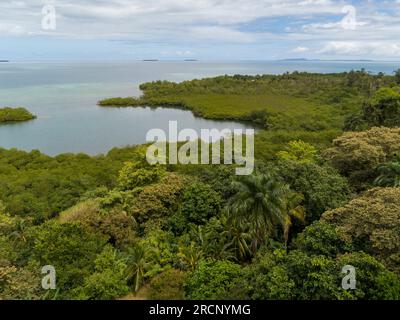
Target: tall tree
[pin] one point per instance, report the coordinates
(138, 264)
(265, 203)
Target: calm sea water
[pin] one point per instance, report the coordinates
(64, 97)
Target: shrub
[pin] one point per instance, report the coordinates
(168, 286)
(300, 152)
(109, 281)
(211, 280)
(157, 201)
(134, 175)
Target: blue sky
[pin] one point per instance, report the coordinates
(201, 29)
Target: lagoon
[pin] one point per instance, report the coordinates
(64, 96)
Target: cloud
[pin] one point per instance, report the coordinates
(174, 25)
(221, 34)
(301, 49)
(381, 49)
(121, 17)
(315, 2)
(12, 29)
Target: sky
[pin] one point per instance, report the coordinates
(199, 29)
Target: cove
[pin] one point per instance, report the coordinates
(98, 131)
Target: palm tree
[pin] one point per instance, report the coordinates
(294, 211)
(389, 174)
(263, 202)
(190, 256)
(20, 229)
(138, 263)
(240, 238)
(213, 243)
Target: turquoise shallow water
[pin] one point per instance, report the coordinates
(64, 95)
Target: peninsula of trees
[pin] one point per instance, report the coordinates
(8, 114)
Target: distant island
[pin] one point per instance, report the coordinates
(8, 114)
(329, 60)
(4, 61)
(150, 60)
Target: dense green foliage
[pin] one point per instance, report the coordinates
(211, 280)
(322, 187)
(301, 276)
(108, 281)
(357, 155)
(389, 174)
(293, 106)
(383, 109)
(168, 286)
(113, 226)
(371, 223)
(264, 203)
(200, 203)
(15, 115)
(35, 185)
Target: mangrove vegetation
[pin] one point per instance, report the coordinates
(8, 114)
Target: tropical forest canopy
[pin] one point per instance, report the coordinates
(325, 194)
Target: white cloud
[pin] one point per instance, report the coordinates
(301, 49)
(315, 2)
(376, 49)
(221, 34)
(12, 29)
(101, 17)
(179, 24)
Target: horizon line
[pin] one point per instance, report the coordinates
(149, 60)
